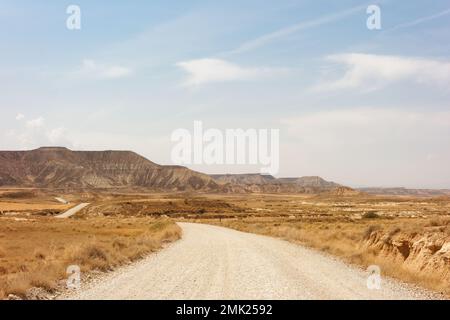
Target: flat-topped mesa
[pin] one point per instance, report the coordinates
(244, 179)
(255, 182)
(310, 181)
(53, 149)
(59, 167)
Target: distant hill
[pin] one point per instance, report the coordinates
(52, 167)
(407, 192)
(56, 167)
(268, 183)
(316, 182)
(243, 179)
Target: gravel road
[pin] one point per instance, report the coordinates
(211, 262)
(72, 211)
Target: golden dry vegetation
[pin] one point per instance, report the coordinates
(29, 201)
(408, 250)
(408, 237)
(35, 251)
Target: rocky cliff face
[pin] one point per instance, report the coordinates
(269, 184)
(243, 179)
(63, 168)
(310, 182)
(53, 167)
(417, 252)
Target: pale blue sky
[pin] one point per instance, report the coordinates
(361, 107)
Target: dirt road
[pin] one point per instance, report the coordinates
(72, 211)
(217, 263)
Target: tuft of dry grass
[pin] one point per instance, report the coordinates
(37, 252)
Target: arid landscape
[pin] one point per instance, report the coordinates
(36, 248)
(408, 237)
(105, 210)
(225, 157)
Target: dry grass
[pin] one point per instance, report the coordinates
(6, 206)
(157, 206)
(119, 227)
(334, 224)
(342, 226)
(37, 252)
(348, 240)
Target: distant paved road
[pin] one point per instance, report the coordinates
(211, 262)
(72, 211)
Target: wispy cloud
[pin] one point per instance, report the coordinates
(58, 136)
(208, 70)
(36, 133)
(398, 140)
(376, 71)
(364, 125)
(421, 20)
(35, 123)
(19, 116)
(267, 38)
(92, 69)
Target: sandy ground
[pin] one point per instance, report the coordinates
(216, 263)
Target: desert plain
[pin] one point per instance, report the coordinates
(408, 237)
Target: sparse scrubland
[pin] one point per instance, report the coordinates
(414, 251)
(36, 251)
(408, 237)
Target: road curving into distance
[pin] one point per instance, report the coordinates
(211, 262)
(69, 213)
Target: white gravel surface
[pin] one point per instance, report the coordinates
(72, 211)
(211, 262)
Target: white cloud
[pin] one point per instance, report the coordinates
(208, 70)
(56, 135)
(35, 133)
(91, 69)
(35, 123)
(375, 71)
(19, 116)
(371, 146)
